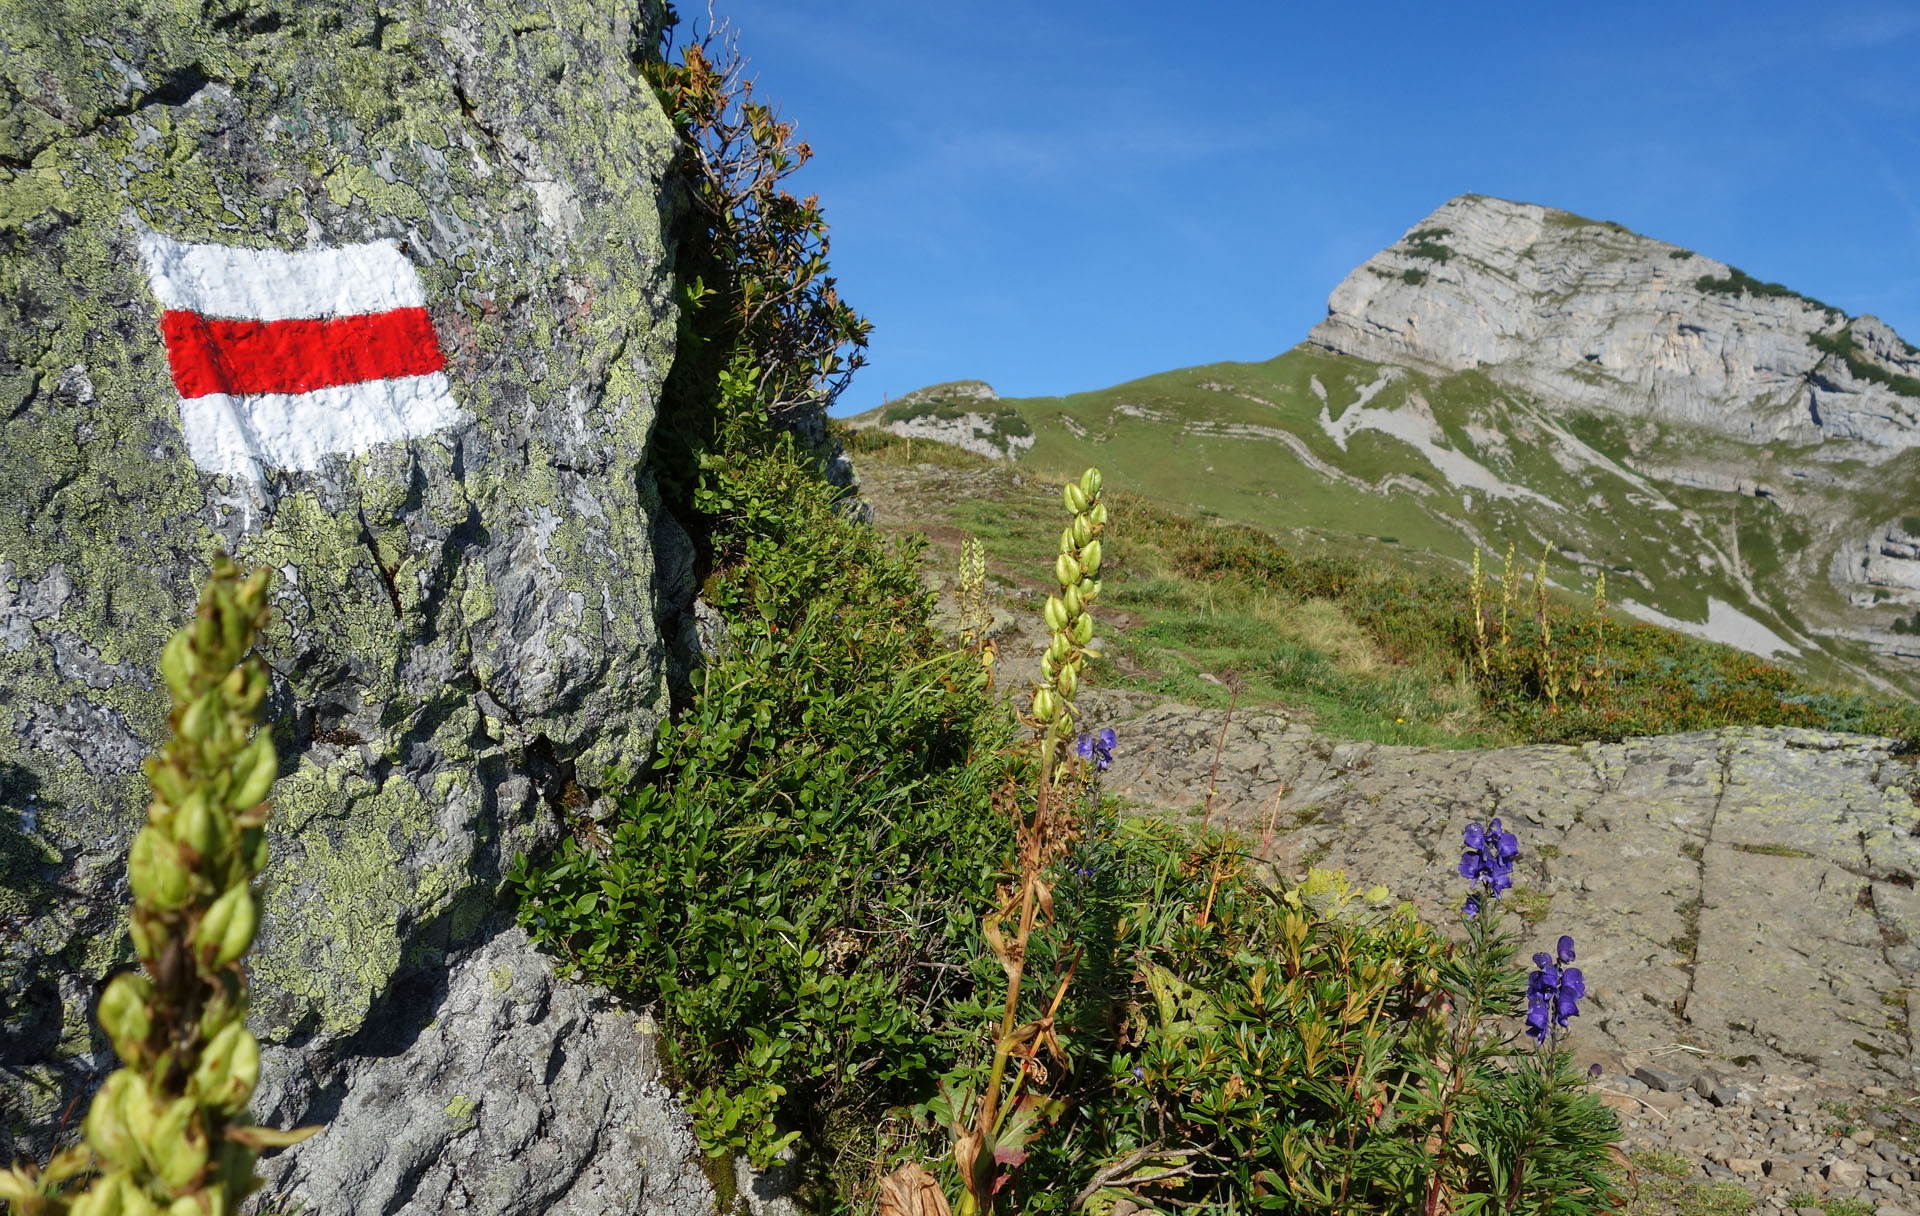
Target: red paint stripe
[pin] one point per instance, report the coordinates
(212, 355)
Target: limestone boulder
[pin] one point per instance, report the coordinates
(476, 589)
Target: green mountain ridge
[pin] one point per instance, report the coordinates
(1743, 523)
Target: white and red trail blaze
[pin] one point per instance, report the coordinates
(283, 359)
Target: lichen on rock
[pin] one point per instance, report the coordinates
(466, 622)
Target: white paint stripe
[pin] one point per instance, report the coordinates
(268, 285)
(242, 435)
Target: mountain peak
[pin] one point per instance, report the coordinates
(1589, 314)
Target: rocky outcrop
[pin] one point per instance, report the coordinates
(1882, 566)
(951, 390)
(1746, 892)
(469, 613)
(1589, 315)
(953, 413)
(506, 1090)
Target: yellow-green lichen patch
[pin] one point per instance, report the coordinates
(460, 1112)
(342, 888)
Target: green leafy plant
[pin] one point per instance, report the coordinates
(1739, 282)
(1841, 345)
(1314, 1050)
(792, 876)
(169, 1130)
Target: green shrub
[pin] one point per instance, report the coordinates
(913, 411)
(1739, 282)
(793, 875)
(1413, 277)
(1639, 679)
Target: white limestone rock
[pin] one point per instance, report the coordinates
(1584, 314)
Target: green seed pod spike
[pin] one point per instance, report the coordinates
(1082, 629)
(1070, 599)
(194, 917)
(1056, 613)
(1066, 570)
(1082, 529)
(126, 1014)
(1045, 704)
(1090, 483)
(1090, 558)
(1075, 497)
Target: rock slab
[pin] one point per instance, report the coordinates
(1744, 893)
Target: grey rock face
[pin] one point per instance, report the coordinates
(469, 623)
(1748, 892)
(514, 1093)
(949, 413)
(1590, 315)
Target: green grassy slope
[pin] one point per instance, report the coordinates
(1417, 470)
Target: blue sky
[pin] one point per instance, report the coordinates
(1056, 197)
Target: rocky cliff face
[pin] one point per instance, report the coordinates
(476, 586)
(1590, 315)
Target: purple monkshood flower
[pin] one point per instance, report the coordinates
(1553, 991)
(1097, 748)
(1488, 862)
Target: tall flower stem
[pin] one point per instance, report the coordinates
(999, 1127)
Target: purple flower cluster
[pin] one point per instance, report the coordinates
(1097, 748)
(1488, 862)
(1553, 991)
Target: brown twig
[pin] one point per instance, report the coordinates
(1108, 1176)
(1059, 994)
(1273, 812)
(1233, 696)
